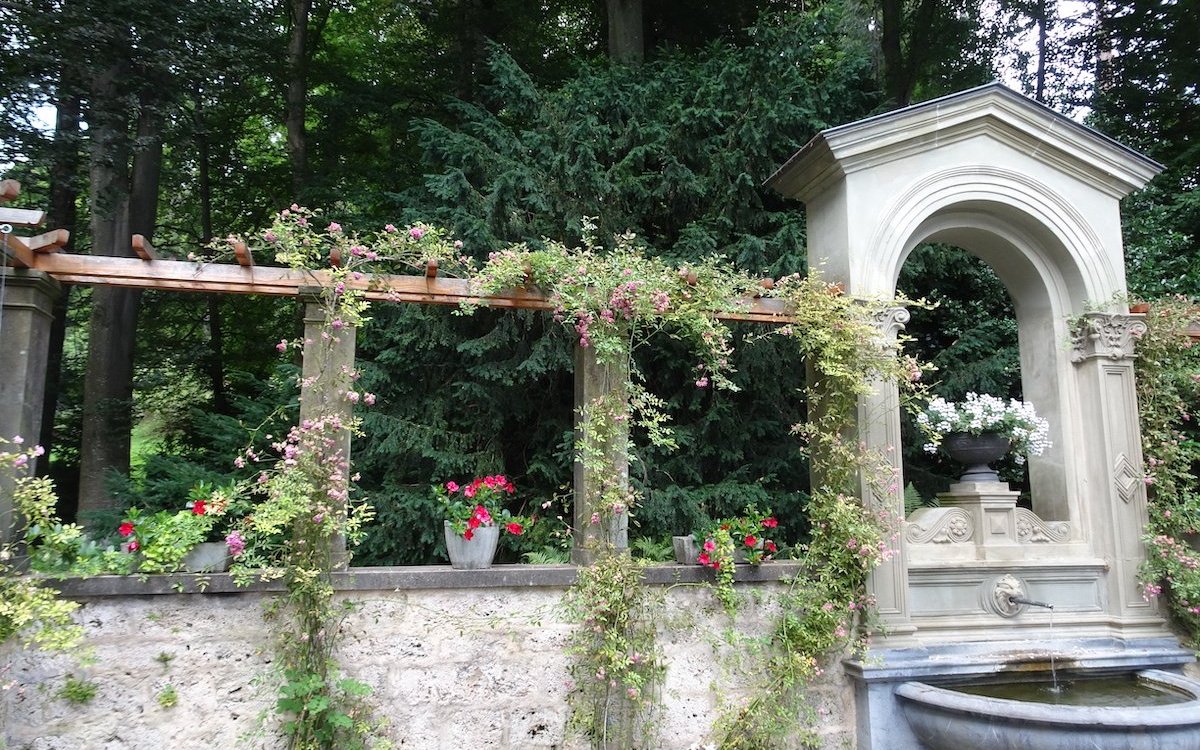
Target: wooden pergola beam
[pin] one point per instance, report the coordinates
(9, 189)
(186, 276)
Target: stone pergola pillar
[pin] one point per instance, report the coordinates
(28, 312)
(596, 380)
(325, 377)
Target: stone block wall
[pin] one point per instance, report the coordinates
(476, 667)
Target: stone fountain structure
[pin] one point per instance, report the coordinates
(1037, 197)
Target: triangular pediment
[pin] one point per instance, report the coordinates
(992, 110)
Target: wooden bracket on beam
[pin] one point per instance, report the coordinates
(9, 189)
(48, 242)
(22, 217)
(244, 258)
(431, 268)
(143, 249)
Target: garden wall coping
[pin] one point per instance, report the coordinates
(403, 578)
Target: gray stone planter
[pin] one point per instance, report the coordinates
(207, 557)
(686, 550)
(475, 553)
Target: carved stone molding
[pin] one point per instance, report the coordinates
(940, 526)
(891, 321)
(1127, 478)
(1033, 530)
(1105, 335)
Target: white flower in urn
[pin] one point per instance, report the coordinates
(1029, 434)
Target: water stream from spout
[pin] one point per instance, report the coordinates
(1054, 688)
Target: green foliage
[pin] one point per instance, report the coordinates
(327, 713)
(618, 665)
(31, 612)
(1168, 383)
(674, 150)
(78, 691)
(168, 697)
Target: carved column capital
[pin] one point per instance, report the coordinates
(1105, 335)
(890, 321)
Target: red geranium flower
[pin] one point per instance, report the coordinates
(472, 523)
(199, 507)
(469, 533)
(133, 546)
(751, 540)
(125, 529)
(771, 546)
(703, 559)
(770, 523)
(515, 529)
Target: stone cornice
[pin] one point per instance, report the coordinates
(994, 110)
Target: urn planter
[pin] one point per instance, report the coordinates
(977, 452)
(475, 553)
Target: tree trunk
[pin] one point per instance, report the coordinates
(296, 97)
(626, 43)
(216, 360)
(108, 388)
(1039, 92)
(63, 172)
(893, 54)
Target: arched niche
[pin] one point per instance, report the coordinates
(1035, 196)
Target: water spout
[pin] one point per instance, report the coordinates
(1012, 599)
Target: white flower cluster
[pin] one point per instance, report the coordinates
(1017, 420)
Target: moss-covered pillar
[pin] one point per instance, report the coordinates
(326, 380)
(601, 475)
(28, 312)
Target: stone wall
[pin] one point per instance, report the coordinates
(478, 663)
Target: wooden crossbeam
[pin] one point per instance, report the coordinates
(230, 279)
(9, 189)
(16, 252)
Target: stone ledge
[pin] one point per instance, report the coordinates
(404, 578)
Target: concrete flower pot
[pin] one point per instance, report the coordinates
(475, 553)
(686, 550)
(207, 557)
